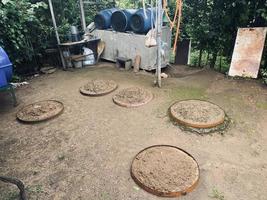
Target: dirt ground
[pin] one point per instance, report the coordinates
(86, 152)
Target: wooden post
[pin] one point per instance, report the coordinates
(159, 41)
(56, 32)
(82, 16)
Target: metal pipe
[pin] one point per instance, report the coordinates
(159, 41)
(82, 16)
(54, 20)
(56, 32)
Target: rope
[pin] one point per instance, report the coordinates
(144, 8)
(178, 27)
(172, 22)
(178, 12)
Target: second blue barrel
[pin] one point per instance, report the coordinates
(120, 20)
(143, 20)
(103, 18)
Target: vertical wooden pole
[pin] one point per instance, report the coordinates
(56, 32)
(82, 16)
(159, 41)
(54, 20)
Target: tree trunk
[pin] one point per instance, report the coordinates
(213, 60)
(200, 57)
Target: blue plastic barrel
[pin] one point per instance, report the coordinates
(103, 18)
(5, 68)
(120, 20)
(142, 21)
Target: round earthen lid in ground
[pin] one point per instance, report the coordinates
(165, 171)
(40, 111)
(133, 97)
(99, 87)
(197, 114)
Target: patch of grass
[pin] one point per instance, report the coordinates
(11, 195)
(36, 189)
(105, 196)
(61, 157)
(262, 105)
(194, 58)
(31, 192)
(215, 194)
(187, 93)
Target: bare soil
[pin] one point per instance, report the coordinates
(99, 87)
(165, 171)
(133, 97)
(197, 113)
(40, 111)
(86, 152)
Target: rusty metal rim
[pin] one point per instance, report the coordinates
(169, 194)
(42, 120)
(181, 122)
(127, 105)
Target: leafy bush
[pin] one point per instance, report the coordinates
(264, 75)
(21, 30)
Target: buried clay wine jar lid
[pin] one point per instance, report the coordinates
(165, 171)
(197, 114)
(132, 97)
(99, 87)
(40, 111)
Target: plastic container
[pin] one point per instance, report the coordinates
(142, 21)
(103, 18)
(5, 68)
(120, 20)
(78, 64)
(90, 58)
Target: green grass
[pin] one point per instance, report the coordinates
(61, 157)
(187, 93)
(195, 56)
(262, 105)
(215, 194)
(31, 192)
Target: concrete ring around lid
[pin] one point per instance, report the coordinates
(197, 114)
(165, 171)
(132, 97)
(98, 87)
(40, 111)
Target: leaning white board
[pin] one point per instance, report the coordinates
(248, 51)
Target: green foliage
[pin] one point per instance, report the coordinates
(264, 75)
(216, 194)
(26, 26)
(212, 24)
(21, 32)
